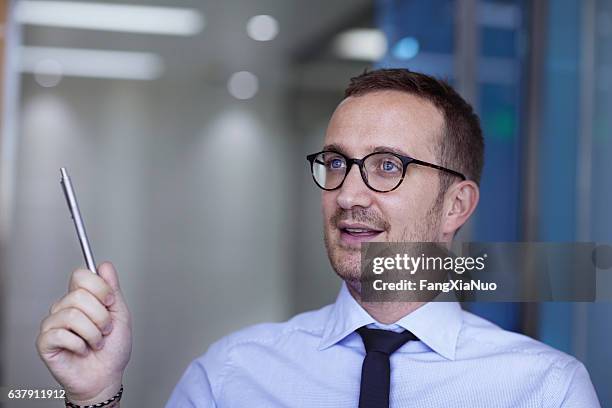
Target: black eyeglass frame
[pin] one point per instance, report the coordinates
(406, 160)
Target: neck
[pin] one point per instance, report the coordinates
(384, 312)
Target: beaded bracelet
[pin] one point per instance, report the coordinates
(115, 398)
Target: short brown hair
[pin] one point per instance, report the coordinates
(462, 145)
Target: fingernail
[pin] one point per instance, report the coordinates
(100, 344)
(109, 300)
(107, 329)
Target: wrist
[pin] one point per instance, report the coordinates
(105, 394)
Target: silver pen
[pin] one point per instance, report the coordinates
(73, 206)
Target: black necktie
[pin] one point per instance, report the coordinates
(376, 370)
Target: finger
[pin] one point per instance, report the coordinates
(83, 278)
(75, 320)
(108, 272)
(55, 340)
(87, 303)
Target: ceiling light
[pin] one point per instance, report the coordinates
(48, 73)
(243, 85)
(111, 17)
(262, 28)
(406, 48)
(367, 44)
(91, 63)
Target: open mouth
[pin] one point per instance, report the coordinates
(355, 233)
(360, 232)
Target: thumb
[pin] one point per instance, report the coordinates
(107, 271)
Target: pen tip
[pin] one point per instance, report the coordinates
(63, 172)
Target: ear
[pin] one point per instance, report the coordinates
(460, 202)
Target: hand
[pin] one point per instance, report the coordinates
(86, 340)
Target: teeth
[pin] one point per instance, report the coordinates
(357, 230)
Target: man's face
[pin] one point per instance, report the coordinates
(352, 214)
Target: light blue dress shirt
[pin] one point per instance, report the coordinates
(315, 358)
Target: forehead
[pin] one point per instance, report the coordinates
(393, 119)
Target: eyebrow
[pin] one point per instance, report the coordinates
(391, 149)
(333, 147)
(378, 149)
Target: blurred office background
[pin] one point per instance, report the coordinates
(185, 131)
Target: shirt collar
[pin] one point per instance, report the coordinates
(437, 324)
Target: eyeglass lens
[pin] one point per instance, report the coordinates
(381, 171)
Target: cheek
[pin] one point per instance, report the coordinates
(415, 196)
(328, 204)
(403, 211)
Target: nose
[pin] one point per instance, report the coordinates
(354, 191)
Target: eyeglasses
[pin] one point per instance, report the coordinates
(380, 171)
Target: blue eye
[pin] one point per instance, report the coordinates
(336, 164)
(389, 166)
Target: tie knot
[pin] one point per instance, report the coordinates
(384, 341)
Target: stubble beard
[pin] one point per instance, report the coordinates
(346, 262)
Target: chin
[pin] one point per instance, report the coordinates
(345, 262)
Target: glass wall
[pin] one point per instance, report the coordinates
(538, 74)
(479, 47)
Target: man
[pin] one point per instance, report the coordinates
(401, 162)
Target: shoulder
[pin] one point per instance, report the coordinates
(261, 340)
(250, 348)
(560, 376)
(520, 355)
(307, 323)
(488, 338)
